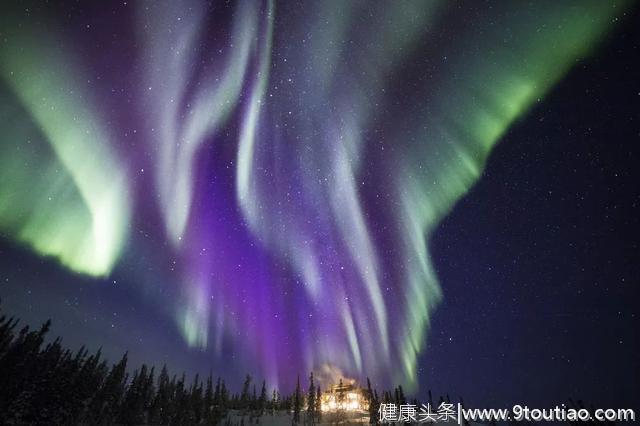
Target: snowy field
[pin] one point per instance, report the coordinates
(237, 418)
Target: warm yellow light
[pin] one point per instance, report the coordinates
(347, 400)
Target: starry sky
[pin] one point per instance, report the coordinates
(442, 195)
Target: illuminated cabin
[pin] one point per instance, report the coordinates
(347, 397)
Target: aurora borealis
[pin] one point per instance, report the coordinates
(266, 176)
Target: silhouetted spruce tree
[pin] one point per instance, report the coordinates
(7, 325)
(207, 403)
(224, 394)
(297, 403)
(159, 409)
(106, 404)
(35, 402)
(311, 400)
(216, 393)
(374, 404)
(400, 398)
(180, 402)
(196, 400)
(318, 404)
(254, 398)
(262, 401)
(245, 396)
(134, 403)
(219, 398)
(56, 396)
(86, 384)
(18, 368)
(148, 393)
(171, 407)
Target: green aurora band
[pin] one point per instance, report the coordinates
(495, 88)
(63, 190)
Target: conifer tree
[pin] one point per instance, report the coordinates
(254, 398)
(244, 396)
(297, 403)
(208, 400)
(318, 404)
(179, 402)
(311, 400)
(373, 403)
(106, 404)
(195, 400)
(262, 402)
(224, 395)
(160, 407)
(401, 398)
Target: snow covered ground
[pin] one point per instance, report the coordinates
(278, 418)
(238, 418)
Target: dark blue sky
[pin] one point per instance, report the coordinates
(540, 262)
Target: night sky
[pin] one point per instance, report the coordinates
(434, 194)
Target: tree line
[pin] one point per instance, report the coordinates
(49, 384)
